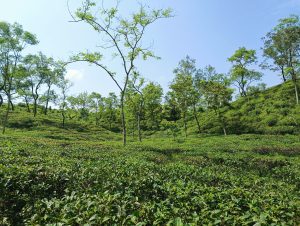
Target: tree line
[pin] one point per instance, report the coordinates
(141, 105)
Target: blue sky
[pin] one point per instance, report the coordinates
(207, 30)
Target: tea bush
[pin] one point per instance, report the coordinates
(234, 180)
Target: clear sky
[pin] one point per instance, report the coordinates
(207, 30)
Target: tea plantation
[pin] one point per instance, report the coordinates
(89, 180)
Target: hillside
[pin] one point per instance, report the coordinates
(272, 111)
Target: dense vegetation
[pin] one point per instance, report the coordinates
(146, 157)
(76, 178)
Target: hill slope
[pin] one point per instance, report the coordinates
(273, 111)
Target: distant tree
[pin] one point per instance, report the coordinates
(55, 74)
(152, 94)
(170, 111)
(171, 127)
(122, 35)
(111, 105)
(13, 40)
(282, 46)
(240, 74)
(80, 104)
(64, 85)
(257, 88)
(183, 90)
(217, 95)
(96, 105)
(1, 88)
(135, 100)
(38, 70)
(23, 87)
(187, 67)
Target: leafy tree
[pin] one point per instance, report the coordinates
(124, 36)
(1, 87)
(23, 90)
(80, 103)
(282, 47)
(171, 127)
(96, 105)
(257, 89)
(37, 71)
(186, 88)
(241, 75)
(13, 40)
(152, 94)
(217, 95)
(170, 111)
(183, 90)
(64, 85)
(135, 101)
(111, 105)
(55, 74)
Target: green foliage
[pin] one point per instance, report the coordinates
(281, 46)
(153, 94)
(234, 180)
(240, 74)
(123, 35)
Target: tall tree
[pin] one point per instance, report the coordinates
(96, 105)
(55, 74)
(135, 99)
(188, 73)
(282, 47)
(241, 75)
(1, 87)
(80, 103)
(183, 90)
(38, 70)
(13, 40)
(123, 36)
(111, 108)
(217, 95)
(152, 96)
(23, 87)
(64, 85)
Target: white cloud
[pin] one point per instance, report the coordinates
(74, 75)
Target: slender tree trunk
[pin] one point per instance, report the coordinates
(47, 101)
(6, 113)
(63, 119)
(139, 126)
(283, 74)
(27, 104)
(12, 105)
(1, 100)
(123, 118)
(244, 94)
(35, 107)
(133, 125)
(196, 118)
(221, 120)
(185, 125)
(97, 118)
(296, 92)
(224, 130)
(294, 77)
